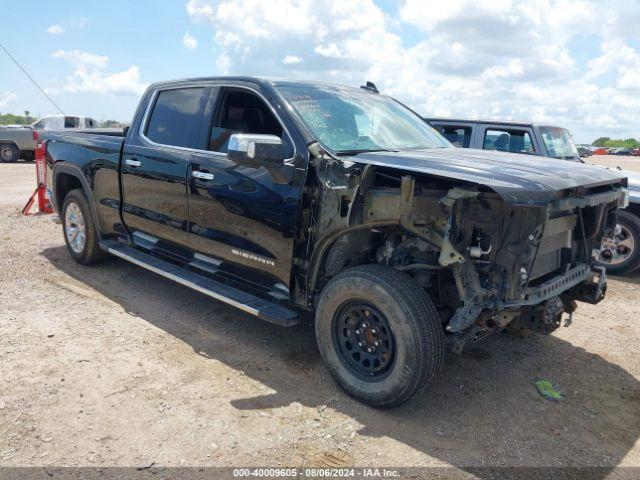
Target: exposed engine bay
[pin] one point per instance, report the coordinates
(487, 264)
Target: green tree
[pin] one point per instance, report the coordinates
(628, 143)
(600, 142)
(11, 119)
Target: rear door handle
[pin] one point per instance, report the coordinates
(133, 163)
(202, 175)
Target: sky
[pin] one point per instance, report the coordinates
(572, 63)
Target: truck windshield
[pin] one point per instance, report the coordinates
(349, 121)
(559, 143)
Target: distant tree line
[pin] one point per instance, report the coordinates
(11, 119)
(610, 142)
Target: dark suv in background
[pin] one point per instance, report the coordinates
(621, 253)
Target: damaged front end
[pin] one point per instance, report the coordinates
(488, 264)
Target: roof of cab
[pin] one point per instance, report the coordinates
(490, 122)
(256, 80)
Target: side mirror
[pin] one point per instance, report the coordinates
(255, 149)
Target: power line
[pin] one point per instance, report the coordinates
(31, 78)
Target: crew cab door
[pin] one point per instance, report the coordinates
(155, 162)
(243, 216)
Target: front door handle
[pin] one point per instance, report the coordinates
(202, 175)
(133, 163)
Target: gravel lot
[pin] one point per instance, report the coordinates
(112, 365)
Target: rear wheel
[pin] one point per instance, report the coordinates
(621, 253)
(80, 234)
(9, 153)
(379, 334)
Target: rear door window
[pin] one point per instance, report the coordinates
(458, 135)
(509, 140)
(71, 122)
(176, 117)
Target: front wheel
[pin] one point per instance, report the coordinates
(621, 253)
(79, 228)
(379, 334)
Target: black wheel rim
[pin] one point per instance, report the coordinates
(364, 341)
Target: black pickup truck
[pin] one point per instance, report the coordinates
(278, 197)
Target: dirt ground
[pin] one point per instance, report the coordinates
(626, 162)
(114, 366)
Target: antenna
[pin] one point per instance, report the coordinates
(31, 78)
(371, 87)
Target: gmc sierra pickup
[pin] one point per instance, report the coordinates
(278, 197)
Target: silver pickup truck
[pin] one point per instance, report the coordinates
(21, 142)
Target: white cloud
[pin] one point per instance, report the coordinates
(291, 60)
(330, 50)
(55, 29)
(326, 35)
(7, 98)
(629, 78)
(82, 60)
(90, 75)
(490, 33)
(473, 58)
(189, 41)
(615, 55)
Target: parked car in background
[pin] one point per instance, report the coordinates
(585, 150)
(275, 196)
(64, 122)
(622, 151)
(636, 152)
(21, 141)
(621, 249)
(16, 143)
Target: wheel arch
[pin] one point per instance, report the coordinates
(323, 247)
(66, 178)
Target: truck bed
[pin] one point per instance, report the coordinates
(95, 158)
(95, 133)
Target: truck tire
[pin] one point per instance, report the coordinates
(621, 255)
(78, 226)
(9, 153)
(379, 334)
